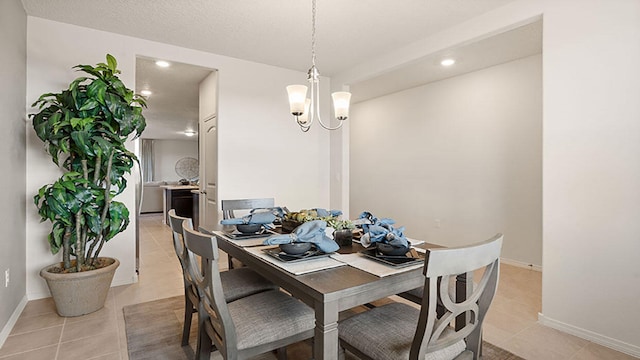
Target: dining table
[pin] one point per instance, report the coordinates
(330, 289)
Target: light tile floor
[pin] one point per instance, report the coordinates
(41, 334)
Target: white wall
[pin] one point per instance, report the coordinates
(167, 153)
(458, 160)
(262, 153)
(591, 156)
(591, 282)
(13, 56)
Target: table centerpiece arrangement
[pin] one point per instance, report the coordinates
(343, 233)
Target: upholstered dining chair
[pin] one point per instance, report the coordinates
(399, 331)
(249, 326)
(237, 283)
(229, 208)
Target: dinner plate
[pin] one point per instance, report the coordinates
(411, 258)
(237, 235)
(290, 258)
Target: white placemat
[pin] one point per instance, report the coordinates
(371, 266)
(296, 268)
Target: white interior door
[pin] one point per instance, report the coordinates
(208, 137)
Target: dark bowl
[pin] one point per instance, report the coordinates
(296, 248)
(392, 250)
(249, 228)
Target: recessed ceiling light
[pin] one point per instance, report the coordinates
(146, 92)
(162, 63)
(447, 62)
(190, 132)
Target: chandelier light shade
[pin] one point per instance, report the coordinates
(341, 101)
(306, 110)
(297, 98)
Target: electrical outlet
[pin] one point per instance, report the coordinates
(6, 278)
(438, 224)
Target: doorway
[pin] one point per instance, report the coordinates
(169, 148)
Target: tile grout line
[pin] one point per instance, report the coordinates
(60, 339)
(119, 331)
(34, 330)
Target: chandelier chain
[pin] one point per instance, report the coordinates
(313, 32)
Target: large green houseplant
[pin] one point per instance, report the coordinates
(85, 129)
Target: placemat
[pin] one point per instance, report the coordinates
(297, 268)
(363, 263)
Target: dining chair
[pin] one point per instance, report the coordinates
(249, 326)
(399, 331)
(229, 208)
(237, 283)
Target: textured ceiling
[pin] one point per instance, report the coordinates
(349, 33)
(275, 32)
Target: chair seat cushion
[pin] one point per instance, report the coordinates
(386, 333)
(238, 283)
(269, 316)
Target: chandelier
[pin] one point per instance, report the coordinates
(306, 109)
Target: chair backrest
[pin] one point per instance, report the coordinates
(228, 206)
(207, 279)
(434, 332)
(175, 222)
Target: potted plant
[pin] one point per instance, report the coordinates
(85, 128)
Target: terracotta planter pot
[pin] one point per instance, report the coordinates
(77, 294)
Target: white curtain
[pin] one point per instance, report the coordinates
(147, 160)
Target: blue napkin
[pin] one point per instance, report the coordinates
(385, 234)
(374, 220)
(254, 218)
(311, 231)
(324, 212)
(381, 230)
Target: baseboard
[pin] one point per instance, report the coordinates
(521, 264)
(618, 345)
(124, 280)
(12, 320)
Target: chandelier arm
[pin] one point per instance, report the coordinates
(303, 124)
(315, 90)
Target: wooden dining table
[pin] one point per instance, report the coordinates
(329, 291)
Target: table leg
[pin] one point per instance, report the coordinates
(325, 342)
(464, 287)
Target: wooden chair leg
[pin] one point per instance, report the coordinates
(205, 345)
(188, 315)
(230, 260)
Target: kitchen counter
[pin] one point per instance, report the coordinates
(180, 198)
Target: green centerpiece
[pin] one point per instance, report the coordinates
(343, 227)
